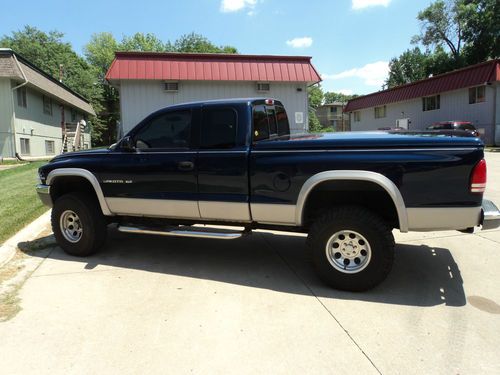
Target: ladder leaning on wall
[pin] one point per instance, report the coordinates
(73, 136)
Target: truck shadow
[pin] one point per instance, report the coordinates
(421, 275)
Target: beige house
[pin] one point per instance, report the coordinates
(470, 94)
(332, 116)
(39, 116)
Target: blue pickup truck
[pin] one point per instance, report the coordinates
(234, 163)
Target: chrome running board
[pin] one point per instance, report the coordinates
(187, 231)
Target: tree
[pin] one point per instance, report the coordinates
(315, 99)
(482, 30)
(454, 33)
(144, 43)
(198, 43)
(331, 97)
(442, 25)
(408, 67)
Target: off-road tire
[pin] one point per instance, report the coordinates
(370, 226)
(91, 220)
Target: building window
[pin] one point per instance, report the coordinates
(47, 105)
(21, 97)
(357, 116)
(73, 115)
(263, 87)
(333, 109)
(25, 146)
(431, 103)
(171, 86)
(380, 112)
(49, 148)
(477, 94)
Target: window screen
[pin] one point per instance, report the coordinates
(49, 147)
(47, 105)
(477, 95)
(25, 146)
(21, 97)
(169, 130)
(219, 128)
(431, 103)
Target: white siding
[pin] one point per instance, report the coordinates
(32, 123)
(454, 106)
(139, 98)
(6, 147)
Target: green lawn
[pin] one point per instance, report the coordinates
(19, 203)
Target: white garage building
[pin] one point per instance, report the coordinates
(150, 81)
(468, 94)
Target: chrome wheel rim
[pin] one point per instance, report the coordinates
(71, 227)
(348, 251)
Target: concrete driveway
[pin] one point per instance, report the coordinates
(169, 305)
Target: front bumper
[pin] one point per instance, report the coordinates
(490, 215)
(43, 192)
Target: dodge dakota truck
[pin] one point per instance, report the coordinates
(235, 163)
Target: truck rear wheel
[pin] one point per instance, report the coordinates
(352, 248)
(78, 224)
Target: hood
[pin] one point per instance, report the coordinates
(375, 139)
(83, 153)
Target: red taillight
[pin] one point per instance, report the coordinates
(269, 102)
(478, 178)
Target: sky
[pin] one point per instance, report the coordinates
(350, 41)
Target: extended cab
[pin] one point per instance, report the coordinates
(234, 163)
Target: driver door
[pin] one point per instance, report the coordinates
(158, 179)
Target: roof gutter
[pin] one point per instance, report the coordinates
(13, 121)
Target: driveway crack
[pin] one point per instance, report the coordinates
(319, 300)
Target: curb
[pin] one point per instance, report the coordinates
(28, 233)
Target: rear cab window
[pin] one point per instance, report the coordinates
(219, 129)
(269, 121)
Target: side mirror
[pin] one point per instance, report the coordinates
(127, 144)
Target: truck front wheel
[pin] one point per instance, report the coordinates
(78, 224)
(352, 248)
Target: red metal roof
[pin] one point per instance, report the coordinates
(473, 75)
(211, 67)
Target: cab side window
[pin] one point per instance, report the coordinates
(282, 118)
(260, 123)
(218, 128)
(171, 130)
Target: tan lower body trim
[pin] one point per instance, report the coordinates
(280, 214)
(154, 208)
(226, 211)
(448, 218)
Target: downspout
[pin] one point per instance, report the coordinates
(496, 110)
(13, 121)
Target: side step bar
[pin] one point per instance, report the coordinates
(187, 231)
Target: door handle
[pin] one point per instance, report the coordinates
(185, 165)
